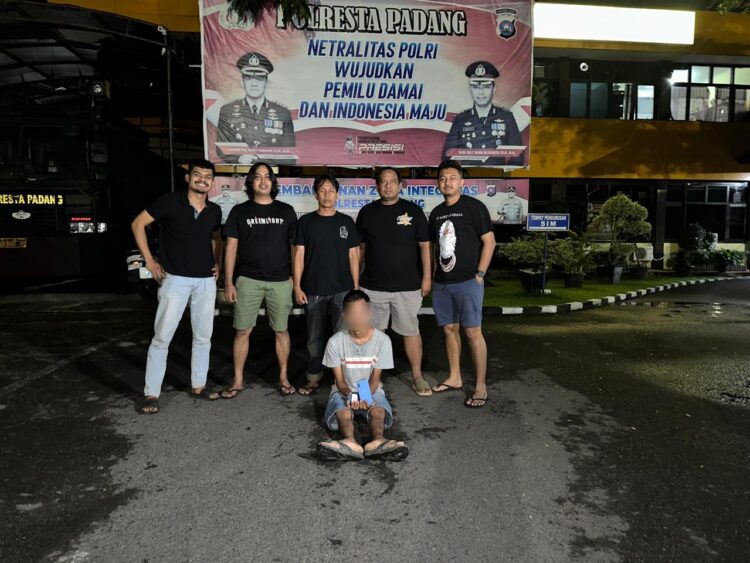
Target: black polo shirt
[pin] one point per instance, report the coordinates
(184, 236)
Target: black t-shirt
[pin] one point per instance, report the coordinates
(457, 232)
(184, 238)
(264, 235)
(391, 233)
(327, 240)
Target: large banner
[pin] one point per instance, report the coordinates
(506, 200)
(365, 83)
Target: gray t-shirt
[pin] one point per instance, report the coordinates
(358, 360)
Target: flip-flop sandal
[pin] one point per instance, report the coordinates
(446, 389)
(421, 388)
(287, 390)
(231, 392)
(326, 452)
(468, 402)
(150, 405)
(308, 390)
(389, 450)
(206, 394)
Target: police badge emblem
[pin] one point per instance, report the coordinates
(506, 22)
(253, 61)
(491, 190)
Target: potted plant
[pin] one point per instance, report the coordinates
(641, 269)
(722, 258)
(574, 256)
(527, 253)
(623, 220)
(695, 248)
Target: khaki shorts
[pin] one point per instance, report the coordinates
(250, 296)
(399, 307)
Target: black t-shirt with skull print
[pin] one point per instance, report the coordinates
(456, 231)
(327, 240)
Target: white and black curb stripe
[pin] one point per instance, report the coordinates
(588, 304)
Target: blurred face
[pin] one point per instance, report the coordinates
(357, 315)
(450, 182)
(482, 92)
(254, 85)
(511, 194)
(326, 195)
(200, 180)
(262, 181)
(389, 187)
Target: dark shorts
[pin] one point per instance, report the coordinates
(458, 303)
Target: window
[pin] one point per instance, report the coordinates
(578, 101)
(742, 76)
(599, 97)
(722, 75)
(700, 74)
(645, 102)
(709, 103)
(719, 208)
(678, 103)
(741, 104)
(737, 223)
(622, 100)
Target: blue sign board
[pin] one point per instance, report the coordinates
(548, 222)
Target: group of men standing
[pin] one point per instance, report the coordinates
(392, 254)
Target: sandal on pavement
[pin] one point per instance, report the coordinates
(308, 389)
(481, 400)
(390, 450)
(231, 392)
(285, 389)
(150, 405)
(205, 394)
(421, 388)
(444, 388)
(337, 451)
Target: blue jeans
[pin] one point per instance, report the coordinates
(174, 295)
(337, 402)
(319, 310)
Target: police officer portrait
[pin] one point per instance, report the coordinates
(511, 210)
(254, 119)
(485, 125)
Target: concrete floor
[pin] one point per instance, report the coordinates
(618, 434)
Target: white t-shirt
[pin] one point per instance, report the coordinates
(358, 360)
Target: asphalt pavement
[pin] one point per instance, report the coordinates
(614, 434)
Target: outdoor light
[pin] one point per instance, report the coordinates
(584, 67)
(603, 23)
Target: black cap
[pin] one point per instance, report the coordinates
(254, 64)
(482, 70)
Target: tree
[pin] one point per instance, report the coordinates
(254, 8)
(625, 221)
(725, 6)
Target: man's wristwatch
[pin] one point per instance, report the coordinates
(481, 273)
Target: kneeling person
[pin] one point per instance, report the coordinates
(359, 353)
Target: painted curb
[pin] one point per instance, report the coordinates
(589, 304)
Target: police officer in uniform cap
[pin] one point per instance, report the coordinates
(254, 119)
(485, 125)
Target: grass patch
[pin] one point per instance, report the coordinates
(508, 292)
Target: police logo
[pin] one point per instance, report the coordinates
(479, 71)
(404, 220)
(344, 232)
(491, 191)
(506, 22)
(253, 61)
